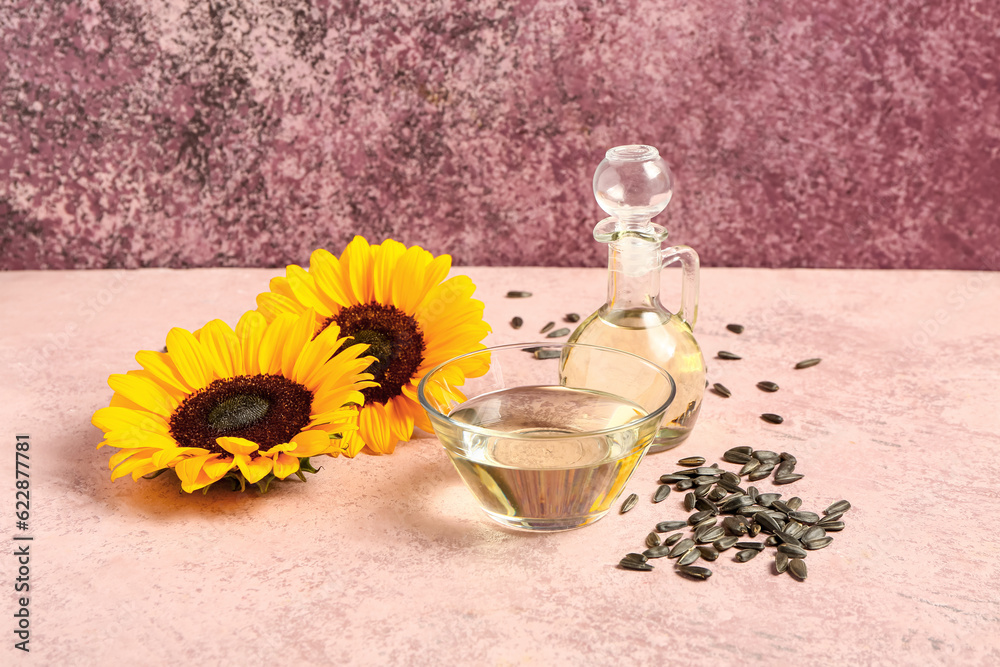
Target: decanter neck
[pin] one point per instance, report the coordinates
(633, 274)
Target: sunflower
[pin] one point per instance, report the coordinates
(396, 300)
(251, 404)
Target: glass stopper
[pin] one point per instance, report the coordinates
(633, 183)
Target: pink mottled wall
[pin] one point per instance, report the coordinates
(843, 133)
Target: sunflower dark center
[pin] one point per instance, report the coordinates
(240, 411)
(266, 409)
(395, 340)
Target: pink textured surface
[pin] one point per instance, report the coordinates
(388, 561)
(179, 133)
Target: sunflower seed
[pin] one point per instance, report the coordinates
(708, 552)
(673, 539)
(763, 472)
(702, 480)
(571, 317)
(745, 555)
(707, 535)
(689, 557)
(627, 564)
(721, 390)
(728, 355)
(772, 418)
(656, 552)
(742, 449)
(661, 493)
(772, 541)
(766, 499)
(818, 543)
(514, 294)
(767, 385)
(684, 484)
(682, 547)
(840, 506)
(787, 479)
(736, 503)
(652, 540)
(780, 562)
(749, 467)
(735, 328)
(547, 327)
(558, 333)
(724, 543)
(694, 572)
(673, 477)
(709, 472)
(706, 505)
(792, 550)
(547, 354)
(794, 528)
(702, 490)
(734, 525)
(784, 468)
(732, 488)
(757, 546)
(766, 456)
(829, 518)
(669, 526)
(797, 567)
(629, 503)
(716, 494)
(710, 521)
(698, 517)
(750, 510)
(787, 539)
(832, 527)
(531, 350)
(794, 502)
(753, 530)
(753, 493)
(692, 461)
(782, 507)
(808, 518)
(813, 533)
(733, 456)
(636, 557)
(806, 364)
(767, 522)
(516, 323)
(690, 501)
(785, 456)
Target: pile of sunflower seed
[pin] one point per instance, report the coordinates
(713, 493)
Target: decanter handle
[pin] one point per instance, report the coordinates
(689, 279)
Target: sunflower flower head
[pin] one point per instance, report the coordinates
(251, 404)
(398, 301)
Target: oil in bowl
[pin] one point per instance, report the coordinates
(547, 457)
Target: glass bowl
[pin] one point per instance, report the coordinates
(539, 452)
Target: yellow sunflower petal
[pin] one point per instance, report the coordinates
(141, 463)
(217, 468)
(356, 258)
(285, 465)
(351, 444)
(304, 290)
(271, 345)
(223, 349)
(300, 333)
(330, 278)
(144, 393)
(384, 269)
(192, 473)
(142, 452)
(407, 294)
(254, 468)
(271, 305)
(188, 354)
(399, 420)
(249, 331)
(163, 368)
(124, 419)
(237, 446)
(374, 430)
(312, 443)
(164, 457)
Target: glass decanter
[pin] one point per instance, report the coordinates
(632, 184)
